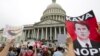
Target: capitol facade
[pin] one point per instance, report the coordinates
(52, 23)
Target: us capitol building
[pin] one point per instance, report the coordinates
(51, 24)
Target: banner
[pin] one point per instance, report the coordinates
(83, 30)
(11, 32)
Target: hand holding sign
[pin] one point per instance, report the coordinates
(70, 46)
(69, 39)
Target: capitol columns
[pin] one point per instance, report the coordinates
(59, 30)
(55, 33)
(28, 35)
(25, 35)
(34, 34)
(42, 37)
(64, 31)
(46, 34)
(50, 33)
(37, 33)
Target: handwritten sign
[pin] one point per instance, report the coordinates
(11, 32)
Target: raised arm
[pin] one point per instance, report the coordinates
(5, 51)
(70, 46)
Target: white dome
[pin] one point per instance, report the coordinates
(52, 10)
(54, 5)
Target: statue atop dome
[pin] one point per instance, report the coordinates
(54, 1)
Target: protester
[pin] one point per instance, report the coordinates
(58, 52)
(12, 52)
(8, 44)
(45, 52)
(23, 50)
(18, 50)
(29, 52)
(39, 52)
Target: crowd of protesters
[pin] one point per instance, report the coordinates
(9, 50)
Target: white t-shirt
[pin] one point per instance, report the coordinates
(83, 44)
(58, 53)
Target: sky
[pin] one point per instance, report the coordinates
(24, 12)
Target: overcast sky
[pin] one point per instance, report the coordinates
(22, 12)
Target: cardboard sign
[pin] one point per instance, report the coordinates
(11, 32)
(61, 40)
(83, 30)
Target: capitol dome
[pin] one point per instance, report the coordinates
(54, 5)
(53, 11)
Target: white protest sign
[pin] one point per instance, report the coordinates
(11, 32)
(61, 39)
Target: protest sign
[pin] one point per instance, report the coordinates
(83, 30)
(61, 40)
(11, 32)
